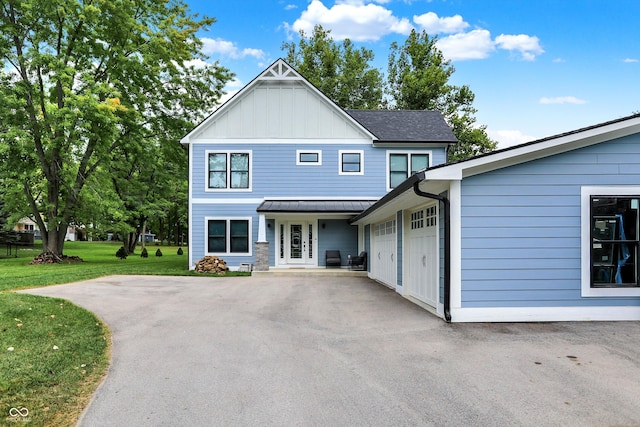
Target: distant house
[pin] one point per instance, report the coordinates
(278, 171)
(27, 225)
(544, 231)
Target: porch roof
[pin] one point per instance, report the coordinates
(316, 206)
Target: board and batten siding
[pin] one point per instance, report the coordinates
(280, 110)
(521, 229)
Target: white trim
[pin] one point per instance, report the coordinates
(341, 152)
(409, 153)
(203, 201)
(228, 189)
(585, 241)
(228, 241)
(328, 198)
(545, 314)
(191, 264)
(283, 141)
(301, 163)
(536, 150)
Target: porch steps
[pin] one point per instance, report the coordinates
(327, 272)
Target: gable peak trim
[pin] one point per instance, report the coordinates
(280, 70)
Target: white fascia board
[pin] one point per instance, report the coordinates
(537, 150)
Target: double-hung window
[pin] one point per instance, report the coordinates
(229, 170)
(351, 162)
(403, 165)
(228, 236)
(611, 231)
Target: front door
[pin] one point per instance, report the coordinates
(298, 241)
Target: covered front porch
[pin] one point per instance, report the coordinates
(296, 235)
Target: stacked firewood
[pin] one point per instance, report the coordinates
(211, 264)
(51, 258)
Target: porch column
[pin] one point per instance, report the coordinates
(262, 229)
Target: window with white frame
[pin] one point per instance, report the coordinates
(351, 162)
(403, 165)
(228, 236)
(611, 241)
(228, 170)
(309, 157)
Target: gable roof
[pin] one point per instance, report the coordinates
(278, 72)
(405, 125)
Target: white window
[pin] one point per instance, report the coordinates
(401, 165)
(228, 170)
(228, 236)
(309, 157)
(610, 241)
(351, 162)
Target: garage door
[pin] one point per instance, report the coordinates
(423, 255)
(383, 253)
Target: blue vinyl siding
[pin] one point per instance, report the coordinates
(337, 234)
(521, 235)
(199, 231)
(275, 173)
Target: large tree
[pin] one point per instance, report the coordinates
(418, 79)
(82, 78)
(340, 71)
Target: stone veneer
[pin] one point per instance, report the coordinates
(261, 256)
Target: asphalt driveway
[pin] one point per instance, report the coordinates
(318, 351)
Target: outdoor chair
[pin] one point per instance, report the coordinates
(358, 262)
(333, 259)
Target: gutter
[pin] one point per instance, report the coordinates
(447, 245)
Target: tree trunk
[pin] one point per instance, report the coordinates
(53, 239)
(144, 232)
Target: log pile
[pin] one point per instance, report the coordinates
(211, 264)
(51, 258)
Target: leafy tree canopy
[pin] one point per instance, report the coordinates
(341, 72)
(82, 79)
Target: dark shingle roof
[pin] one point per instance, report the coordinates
(325, 206)
(405, 125)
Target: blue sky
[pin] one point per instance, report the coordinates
(537, 68)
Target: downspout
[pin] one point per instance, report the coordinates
(447, 245)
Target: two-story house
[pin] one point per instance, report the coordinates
(277, 172)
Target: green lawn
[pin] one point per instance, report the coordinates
(54, 354)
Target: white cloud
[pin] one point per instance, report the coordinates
(630, 60)
(528, 46)
(562, 100)
(351, 19)
(509, 138)
(432, 24)
(559, 60)
(476, 44)
(290, 7)
(228, 49)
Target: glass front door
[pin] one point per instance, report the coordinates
(298, 241)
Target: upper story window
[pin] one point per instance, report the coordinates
(613, 238)
(309, 157)
(351, 162)
(403, 165)
(229, 170)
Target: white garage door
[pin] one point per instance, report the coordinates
(383, 252)
(423, 256)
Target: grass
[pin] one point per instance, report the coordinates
(54, 354)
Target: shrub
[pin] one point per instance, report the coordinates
(122, 253)
(158, 252)
(180, 251)
(144, 253)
